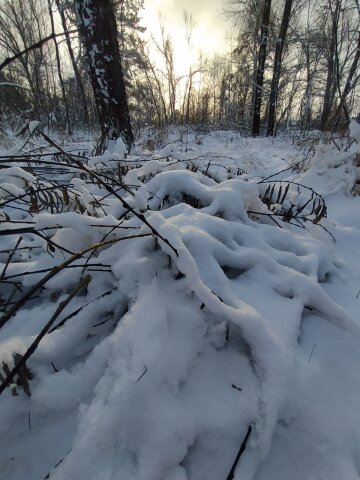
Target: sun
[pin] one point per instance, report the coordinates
(207, 38)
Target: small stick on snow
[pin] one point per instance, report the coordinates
(142, 374)
(236, 388)
(241, 451)
(312, 351)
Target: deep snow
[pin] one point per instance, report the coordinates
(248, 324)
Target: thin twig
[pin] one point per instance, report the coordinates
(83, 284)
(124, 203)
(38, 44)
(58, 268)
(10, 258)
(241, 451)
(311, 354)
(75, 312)
(142, 374)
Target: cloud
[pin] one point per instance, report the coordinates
(201, 6)
(210, 29)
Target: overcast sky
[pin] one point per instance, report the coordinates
(209, 33)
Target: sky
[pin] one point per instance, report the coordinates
(209, 34)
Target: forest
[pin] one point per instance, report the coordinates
(289, 65)
(179, 240)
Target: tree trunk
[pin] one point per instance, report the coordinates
(97, 24)
(61, 81)
(261, 67)
(330, 79)
(78, 80)
(306, 102)
(277, 66)
(349, 84)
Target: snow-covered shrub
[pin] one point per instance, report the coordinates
(185, 332)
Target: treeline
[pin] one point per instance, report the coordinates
(289, 63)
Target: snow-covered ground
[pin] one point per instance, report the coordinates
(218, 317)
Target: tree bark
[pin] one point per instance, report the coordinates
(261, 67)
(97, 24)
(277, 66)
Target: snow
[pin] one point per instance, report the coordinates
(33, 125)
(354, 129)
(176, 348)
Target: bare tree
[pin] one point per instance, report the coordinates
(78, 79)
(261, 67)
(22, 25)
(277, 65)
(58, 63)
(331, 63)
(167, 51)
(350, 83)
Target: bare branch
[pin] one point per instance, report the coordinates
(38, 44)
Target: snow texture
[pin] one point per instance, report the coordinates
(240, 323)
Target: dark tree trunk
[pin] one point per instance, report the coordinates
(78, 80)
(348, 86)
(331, 67)
(261, 67)
(97, 24)
(306, 108)
(277, 66)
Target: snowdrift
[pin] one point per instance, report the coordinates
(197, 322)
